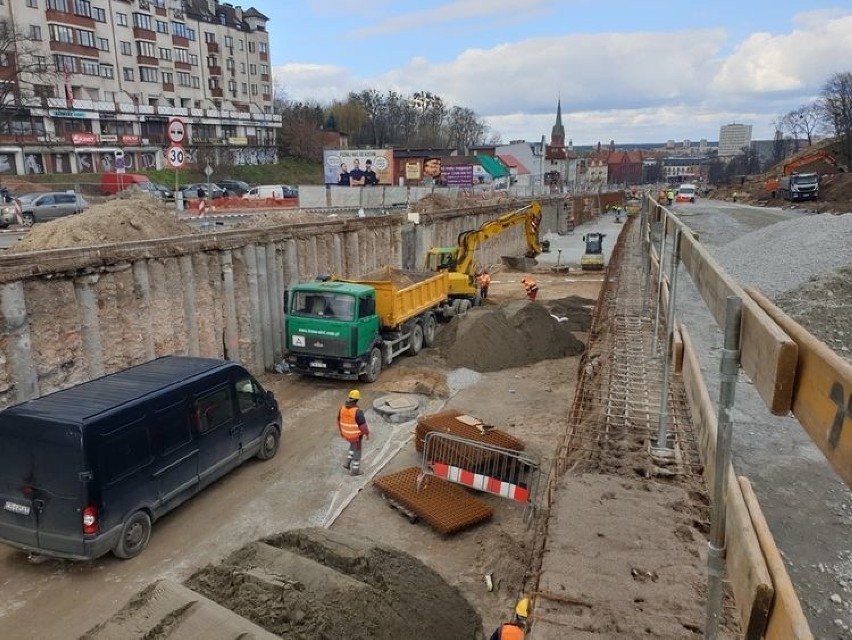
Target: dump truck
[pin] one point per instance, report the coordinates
(459, 261)
(349, 329)
(799, 186)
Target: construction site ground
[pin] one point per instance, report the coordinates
(619, 553)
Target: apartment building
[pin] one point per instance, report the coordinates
(95, 77)
(733, 138)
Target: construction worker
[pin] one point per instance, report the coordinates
(514, 630)
(353, 428)
(670, 195)
(530, 287)
(663, 196)
(484, 280)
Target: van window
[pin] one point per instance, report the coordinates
(126, 450)
(175, 428)
(248, 394)
(214, 409)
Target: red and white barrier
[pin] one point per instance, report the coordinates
(481, 482)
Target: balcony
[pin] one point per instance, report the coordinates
(169, 86)
(212, 47)
(147, 61)
(217, 92)
(264, 77)
(144, 34)
(180, 41)
(264, 57)
(183, 66)
(70, 47)
(267, 97)
(214, 71)
(160, 11)
(52, 15)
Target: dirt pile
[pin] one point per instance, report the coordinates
(514, 335)
(269, 219)
(433, 202)
(19, 186)
(314, 583)
(139, 217)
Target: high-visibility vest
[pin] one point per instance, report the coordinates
(484, 280)
(348, 425)
(511, 632)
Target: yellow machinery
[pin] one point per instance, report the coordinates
(593, 259)
(460, 262)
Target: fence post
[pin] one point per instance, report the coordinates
(659, 280)
(729, 371)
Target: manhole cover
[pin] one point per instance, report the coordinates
(397, 407)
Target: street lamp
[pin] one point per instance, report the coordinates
(541, 166)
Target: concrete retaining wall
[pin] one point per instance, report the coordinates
(73, 314)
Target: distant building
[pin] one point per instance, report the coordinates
(732, 138)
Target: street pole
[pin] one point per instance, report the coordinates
(541, 166)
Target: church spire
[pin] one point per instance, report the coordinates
(557, 134)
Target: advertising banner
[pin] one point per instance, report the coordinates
(457, 175)
(358, 167)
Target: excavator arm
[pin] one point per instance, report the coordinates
(469, 240)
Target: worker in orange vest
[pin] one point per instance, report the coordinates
(514, 630)
(353, 428)
(530, 287)
(484, 281)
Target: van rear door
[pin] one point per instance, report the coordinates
(42, 493)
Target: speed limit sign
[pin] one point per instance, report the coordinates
(175, 156)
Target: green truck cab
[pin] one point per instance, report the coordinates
(351, 329)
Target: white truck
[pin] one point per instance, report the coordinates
(799, 186)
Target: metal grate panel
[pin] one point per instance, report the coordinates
(447, 422)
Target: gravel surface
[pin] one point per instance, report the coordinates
(787, 254)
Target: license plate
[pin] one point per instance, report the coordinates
(318, 365)
(14, 507)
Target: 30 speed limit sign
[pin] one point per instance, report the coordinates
(175, 156)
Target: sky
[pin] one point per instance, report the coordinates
(624, 70)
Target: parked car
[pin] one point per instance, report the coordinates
(685, 193)
(159, 190)
(38, 207)
(88, 469)
(277, 191)
(190, 191)
(234, 187)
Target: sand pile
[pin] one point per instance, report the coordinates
(434, 202)
(314, 583)
(269, 219)
(139, 217)
(519, 334)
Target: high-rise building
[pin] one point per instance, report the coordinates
(732, 138)
(96, 77)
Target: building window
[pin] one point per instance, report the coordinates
(242, 45)
(64, 63)
(35, 32)
(165, 54)
(146, 49)
(32, 4)
(90, 67)
(128, 73)
(126, 48)
(61, 34)
(103, 44)
(263, 47)
(254, 89)
(264, 69)
(168, 78)
(142, 20)
(98, 14)
(83, 8)
(196, 82)
(253, 69)
(266, 88)
(182, 55)
(232, 86)
(183, 79)
(162, 27)
(190, 34)
(209, 37)
(147, 74)
(193, 59)
(107, 71)
(229, 42)
(41, 63)
(179, 29)
(242, 67)
(211, 61)
(244, 88)
(86, 38)
(58, 5)
(121, 19)
(251, 46)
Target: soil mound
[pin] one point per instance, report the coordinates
(123, 219)
(515, 335)
(314, 583)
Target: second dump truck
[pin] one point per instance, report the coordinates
(350, 329)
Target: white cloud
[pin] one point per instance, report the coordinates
(657, 84)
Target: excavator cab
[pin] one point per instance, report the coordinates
(593, 259)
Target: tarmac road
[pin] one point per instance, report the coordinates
(808, 508)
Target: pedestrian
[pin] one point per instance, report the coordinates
(514, 629)
(353, 428)
(484, 281)
(530, 287)
(670, 196)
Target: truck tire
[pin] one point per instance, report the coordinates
(269, 442)
(374, 366)
(415, 341)
(134, 536)
(429, 323)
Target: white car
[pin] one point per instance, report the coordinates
(686, 193)
(275, 191)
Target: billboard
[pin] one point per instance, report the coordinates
(457, 175)
(358, 167)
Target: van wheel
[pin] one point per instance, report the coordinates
(415, 342)
(134, 536)
(374, 366)
(28, 218)
(429, 330)
(269, 443)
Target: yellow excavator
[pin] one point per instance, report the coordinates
(459, 260)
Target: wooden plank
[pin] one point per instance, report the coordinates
(746, 568)
(767, 354)
(677, 351)
(787, 621)
(822, 391)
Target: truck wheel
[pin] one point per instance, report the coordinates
(134, 536)
(269, 443)
(415, 342)
(464, 306)
(28, 218)
(374, 366)
(429, 330)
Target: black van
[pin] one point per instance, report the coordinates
(86, 470)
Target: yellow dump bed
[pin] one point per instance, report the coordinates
(402, 295)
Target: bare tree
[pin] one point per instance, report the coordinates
(836, 107)
(24, 74)
(465, 129)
